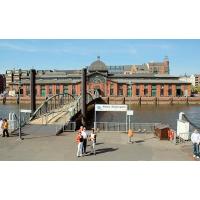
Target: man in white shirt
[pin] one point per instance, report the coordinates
(84, 134)
(195, 138)
(1, 129)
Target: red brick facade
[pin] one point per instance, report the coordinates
(105, 89)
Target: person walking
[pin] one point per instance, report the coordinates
(195, 138)
(79, 141)
(84, 135)
(1, 127)
(5, 128)
(93, 137)
(130, 135)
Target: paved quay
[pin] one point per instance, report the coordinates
(110, 147)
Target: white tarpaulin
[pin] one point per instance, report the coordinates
(106, 107)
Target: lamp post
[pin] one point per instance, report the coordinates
(19, 106)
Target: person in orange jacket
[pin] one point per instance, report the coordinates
(130, 135)
(5, 128)
(79, 141)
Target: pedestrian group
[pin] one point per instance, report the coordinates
(82, 138)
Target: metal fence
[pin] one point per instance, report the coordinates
(183, 138)
(66, 127)
(13, 120)
(123, 127)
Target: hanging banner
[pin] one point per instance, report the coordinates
(106, 107)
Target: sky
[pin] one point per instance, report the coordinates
(184, 55)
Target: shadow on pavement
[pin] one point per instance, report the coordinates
(105, 150)
(35, 137)
(139, 141)
(98, 143)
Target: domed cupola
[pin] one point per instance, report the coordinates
(98, 66)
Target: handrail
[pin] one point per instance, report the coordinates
(47, 100)
(76, 101)
(194, 125)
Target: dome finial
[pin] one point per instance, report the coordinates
(98, 57)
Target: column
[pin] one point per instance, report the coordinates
(166, 90)
(24, 90)
(61, 88)
(38, 90)
(47, 90)
(125, 90)
(173, 90)
(133, 90)
(189, 90)
(149, 90)
(141, 90)
(158, 87)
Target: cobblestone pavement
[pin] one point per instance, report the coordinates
(110, 147)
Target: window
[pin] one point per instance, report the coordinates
(137, 90)
(129, 90)
(162, 90)
(145, 90)
(65, 89)
(57, 89)
(111, 89)
(120, 90)
(28, 90)
(50, 90)
(153, 90)
(170, 90)
(42, 91)
(73, 89)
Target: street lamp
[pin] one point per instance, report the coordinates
(19, 106)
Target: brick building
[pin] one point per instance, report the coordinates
(2, 83)
(197, 79)
(101, 78)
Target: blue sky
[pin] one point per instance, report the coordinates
(184, 55)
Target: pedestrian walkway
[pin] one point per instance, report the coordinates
(110, 146)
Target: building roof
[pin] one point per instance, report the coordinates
(146, 81)
(142, 75)
(40, 81)
(97, 65)
(155, 63)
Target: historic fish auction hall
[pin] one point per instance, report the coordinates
(147, 80)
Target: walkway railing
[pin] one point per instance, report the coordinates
(52, 103)
(123, 127)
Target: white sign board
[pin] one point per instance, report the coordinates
(12, 93)
(106, 107)
(25, 111)
(129, 112)
(183, 129)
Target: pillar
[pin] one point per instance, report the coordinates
(32, 90)
(133, 90)
(83, 109)
(149, 90)
(142, 90)
(158, 87)
(166, 90)
(173, 90)
(125, 90)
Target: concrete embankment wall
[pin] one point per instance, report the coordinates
(121, 100)
(23, 100)
(152, 100)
